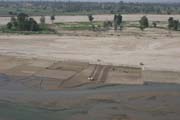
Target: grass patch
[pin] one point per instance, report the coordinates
(43, 30)
(78, 25)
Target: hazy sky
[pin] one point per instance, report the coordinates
(169, 1)
(130, 0)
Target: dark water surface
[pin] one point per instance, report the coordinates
(93, 102)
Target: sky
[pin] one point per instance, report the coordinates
(154, 1)
(130, 0)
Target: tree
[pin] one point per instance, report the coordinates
(14, 22)
(22, 20)
(91, 18)
(33, 26)
(144, 23)
(176, 25)
(117, 21)
(23, 23)
(170, 23)
(53, 18)
(173, 24)
(21, 17)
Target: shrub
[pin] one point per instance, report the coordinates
(107, 24)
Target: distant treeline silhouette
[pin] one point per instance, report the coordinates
(59, 7)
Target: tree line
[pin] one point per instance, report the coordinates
(117, 23)
(59, 7)
(22, 22)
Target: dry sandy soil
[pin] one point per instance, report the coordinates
(126, 17)
(156, 48)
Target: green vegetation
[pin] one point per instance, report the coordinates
(79, 25)
(23, 24)
(46, 30)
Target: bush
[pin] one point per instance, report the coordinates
(107, 24)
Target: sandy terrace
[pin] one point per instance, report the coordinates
(157, 49)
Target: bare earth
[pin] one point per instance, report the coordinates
(157, 49)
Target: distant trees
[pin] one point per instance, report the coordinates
(63, 7)
(173, 24)
(22, 22)
(117, 21)
(144, 23)
(12, 13)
